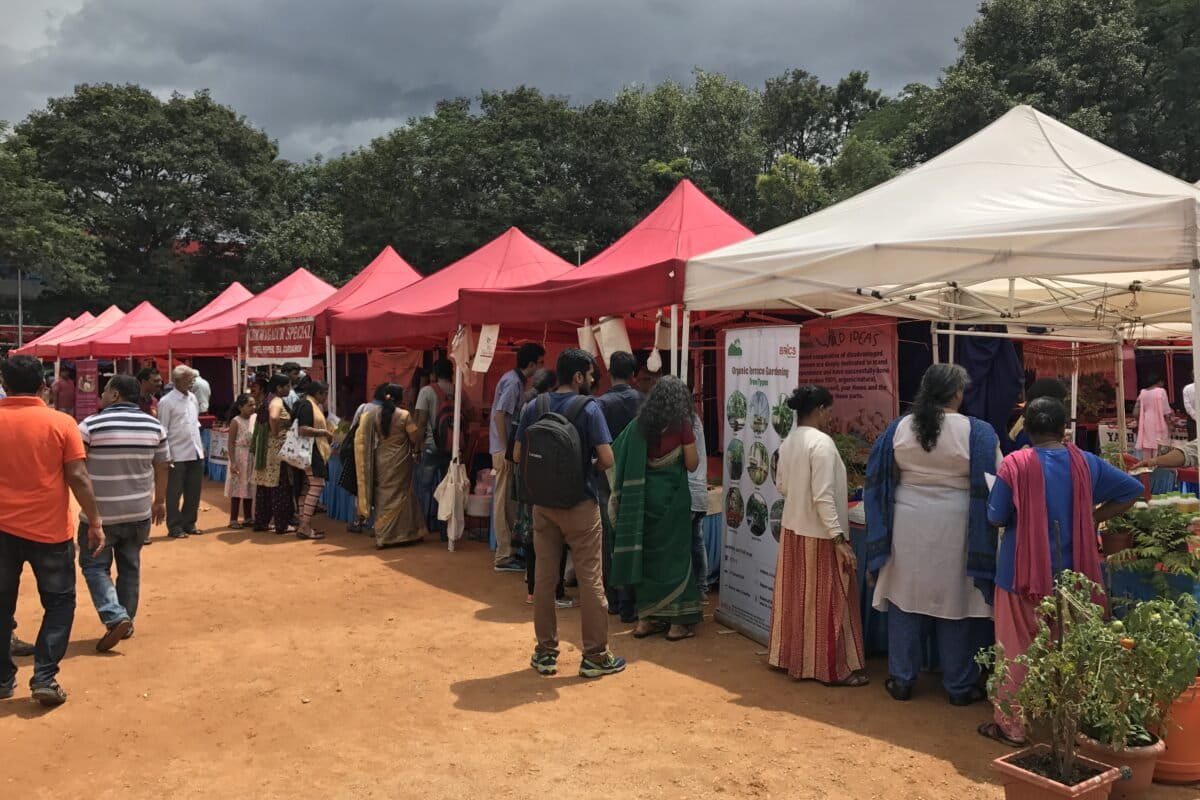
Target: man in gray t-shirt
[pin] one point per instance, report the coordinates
(431, 470)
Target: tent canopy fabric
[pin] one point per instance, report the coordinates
(80, 333)
(387, 273)
(1071, 222)
(158, 344)
(222, 333)
(57, 330)
(428, 309)
(54, 336)
(113, 341)
(641, 270)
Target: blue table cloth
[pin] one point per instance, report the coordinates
(712, 528)
(214, 471)
(1134, 586)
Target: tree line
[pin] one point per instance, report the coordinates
(113, 195)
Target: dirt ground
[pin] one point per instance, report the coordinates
(268, 667)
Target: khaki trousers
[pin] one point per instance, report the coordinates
(505, 512)
(580, 528)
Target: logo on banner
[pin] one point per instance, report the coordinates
(735, 347)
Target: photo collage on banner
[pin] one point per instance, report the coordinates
(760, 373)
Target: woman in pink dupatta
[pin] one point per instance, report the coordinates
(1036, 497)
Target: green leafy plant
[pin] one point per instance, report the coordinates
(1157, 662)
(1111, 452)
(1072, 674)
(851, 450)
(1162, 545)
(1096, 394)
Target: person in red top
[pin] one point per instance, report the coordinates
(44, 457)
(62, 391)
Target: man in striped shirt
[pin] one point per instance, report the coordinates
(127, 459)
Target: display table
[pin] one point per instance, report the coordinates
(214, 470)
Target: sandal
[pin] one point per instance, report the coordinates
(970, 697)
(992, 731)
(688, 633)
(310, 535)
(651, 629)
(853, 681)
(899, 691)
(235, 526)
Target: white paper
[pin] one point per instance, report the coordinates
(611, 337)
(486, 350)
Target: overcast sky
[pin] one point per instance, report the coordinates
(325, 75)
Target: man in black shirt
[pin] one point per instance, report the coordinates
(620, 406)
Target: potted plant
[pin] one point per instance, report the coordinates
(850, 448)
(1156, 664)
(1070, 676)
(1162, 547)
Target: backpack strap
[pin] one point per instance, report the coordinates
(543, 404)
(442, 397)
(576, 407)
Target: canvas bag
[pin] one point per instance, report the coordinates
(296, 449)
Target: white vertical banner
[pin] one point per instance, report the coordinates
(761, 370)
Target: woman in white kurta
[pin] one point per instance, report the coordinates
(924, 583)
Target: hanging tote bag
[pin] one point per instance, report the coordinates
(296, 449)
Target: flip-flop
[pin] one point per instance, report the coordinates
(992, 731)
(655, 629)
(688, 635)
(854, 681)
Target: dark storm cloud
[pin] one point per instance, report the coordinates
(324, 76)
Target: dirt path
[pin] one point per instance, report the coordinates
(269, 667)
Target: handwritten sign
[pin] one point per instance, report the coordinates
(278, 341)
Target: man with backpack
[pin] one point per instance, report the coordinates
(435, 417)
(558, 436)
(504, 408)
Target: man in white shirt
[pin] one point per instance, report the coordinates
(1189, 405)
(179, 414)
(202, 392)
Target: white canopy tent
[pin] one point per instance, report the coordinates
(1028, 222)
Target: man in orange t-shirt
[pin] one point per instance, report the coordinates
(44, 456)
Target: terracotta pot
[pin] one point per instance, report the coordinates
(1181, 762)
(1021, 784)
(1116, 541)
(1140, 760)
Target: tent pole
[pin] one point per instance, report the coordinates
(684, 357)
(675, 340)
(57, 367)
(1120, 365)
(1074, 388)
(329, 373)
(1194, 283)
(454, 454)
(935, 345)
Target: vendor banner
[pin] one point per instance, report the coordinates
(218, 446)
(1110, 434)
(855, 359)
(87, 388)
(389, 366)
(279, 341)
(762, 367)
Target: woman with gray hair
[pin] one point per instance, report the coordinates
(928, 534)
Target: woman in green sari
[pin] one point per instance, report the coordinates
(652, 506)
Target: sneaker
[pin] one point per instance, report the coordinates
(512, 565)
(564, 602)
(544, 663)
(7, 690)
(195, 532)
(115, 634)
(598, 667)
(179, 535)
(49, 694)
(20, 648)
(129, 633)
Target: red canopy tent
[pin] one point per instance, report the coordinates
(80, 333)
(641, 270)
(58, 330)
(428, 309)
(113, 341)
(153, 344)
(222, 333)
(387, 273)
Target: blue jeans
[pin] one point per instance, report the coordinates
(54, 569)
(426, 477)
(958, 641)
(124, 543)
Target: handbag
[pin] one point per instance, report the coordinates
(296, 449)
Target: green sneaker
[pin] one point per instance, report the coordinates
(544, 663)
(599, 666)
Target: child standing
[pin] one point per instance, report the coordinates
(239, 479)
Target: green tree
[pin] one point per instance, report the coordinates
(36, 233)
(310, 239)
(861, 165)
(792, 189)
(807, 119)
(142, 174)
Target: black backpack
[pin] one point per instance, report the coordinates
(553, 463)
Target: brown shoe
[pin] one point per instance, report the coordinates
(115, 634)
